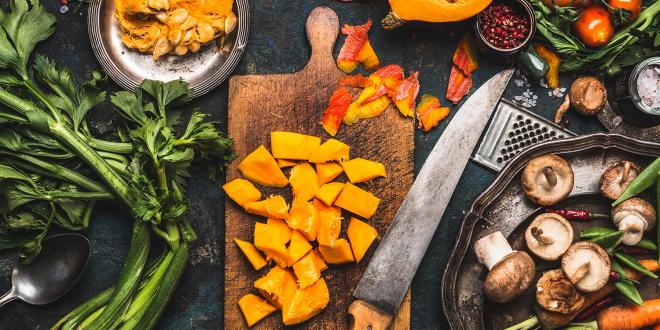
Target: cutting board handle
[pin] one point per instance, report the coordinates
(322, 31)
(367, 317)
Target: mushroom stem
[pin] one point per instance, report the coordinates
(563, 108)
(626, 172)
(550, 175)
(581, 272)
(541, 238)
(633, 227)
(491, 249)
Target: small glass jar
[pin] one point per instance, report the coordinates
(625, 94)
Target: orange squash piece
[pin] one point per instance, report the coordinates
(304, 181)
(358, 201)
(331, 150)
(308, 269)
(465, 57)
(407, 94)
(464, 63)
(367, 56)
(434, 11)
(459, 85)
(361, 170)
(277, 286)
(254, 309)
(241, 191)
(251, 253)
(327, 172)
(361, 109)
(386, 81)
(293, 146)
(282, 228)
(329, 223)
(303, 216)
(298, 248)
(261, 167)
(337, 106)
(329, 192)
(361, 235)
(338, 254)
(272, 207)
(349, 54)
(282, 163)
(267, 239)
(430, 113)
(355, 81)
(306, 303)
(552, 76)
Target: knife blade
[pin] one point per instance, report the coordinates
(390, 272)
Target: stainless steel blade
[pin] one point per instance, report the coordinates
(395, 262)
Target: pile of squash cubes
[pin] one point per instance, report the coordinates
(295, 284)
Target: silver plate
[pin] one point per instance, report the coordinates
(203, 70)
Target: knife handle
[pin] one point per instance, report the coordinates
(367, 317)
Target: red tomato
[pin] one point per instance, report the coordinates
(566, 3)
(634, 6)
(594, 27)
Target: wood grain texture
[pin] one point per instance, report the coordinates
(260, 104)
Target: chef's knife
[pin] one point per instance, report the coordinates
(391, 270)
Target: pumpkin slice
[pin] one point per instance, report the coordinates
(362, 110)
(407, 94)
(459, 85)
(367, 56)
(337, 106)
(282, 228)
(306, 303)
(327, 172)
(330, 150)
(329, 223)
(261, 167)
(251, 253)
(241, 191)
(349, 54)
(358, 201)
(338, 254)
(277, 285)
(282, 163)
(272, 207)
(298, 248)
(464, 63)
(303, 216)
(254, 308)
(430, 113)
(267, 239)
(386, 82)
(361, 235)
(329, 192)
(355, 81)
(304, 181)
(293, 146)
(308, 269)
(361, 170)
(465, 57)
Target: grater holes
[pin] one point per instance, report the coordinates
(553, 133)
(536, 125)
(512, 154)
(528, 121)
(534, 140)
(523, 129)
(510, 134)
(519, 117)
(530, 128)
(544, 129)
(505, 157)
(546, 136)
(560, 136)
(517, 132)
(499, 159)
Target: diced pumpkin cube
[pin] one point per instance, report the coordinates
(254, 257)
(282, 228)
(329, 223)
(308, 269)
(261, 167)
(361, 235)
(272, 207)
(282, 163)
(277, 285)
(330, 150)
(318, 260)
(327, 172)
(254, 308)
(368, 57)
(329, 192)
(241, 191)
(294, 146)
(358, 201)
(361, 170)
(305, 303)
(298, 248)
(304, 181)
(338, 254)
(303, 216)
(267, 239)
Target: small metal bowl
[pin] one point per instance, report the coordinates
(485, 47)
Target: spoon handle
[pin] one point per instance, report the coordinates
(9, 296)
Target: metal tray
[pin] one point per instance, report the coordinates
(203, 70)
(504, 207)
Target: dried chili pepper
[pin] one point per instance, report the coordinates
(595, 308)
(572, 214)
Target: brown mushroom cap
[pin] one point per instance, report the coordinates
(587, 266)
(549, 236)
(547, 179)
(644, 208)
(616, 178)
(634, 216)
(554, 292)
(587, 95)
(510, 277)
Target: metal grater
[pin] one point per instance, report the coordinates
(511, 130)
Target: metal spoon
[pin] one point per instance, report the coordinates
(52, 273)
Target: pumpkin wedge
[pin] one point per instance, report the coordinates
(306, 303)
(303, 216)
(337, 106)
(241, 191)
(361, 170)
(361, 235)
(272, 207)
(367, 56)
(329, 192)
(298, 248)
(267, 239)
(330, 150)
(254, 309)
(261, 167)
(308, 269)
(282, 163)
(361, 108)
(327, 172)
(338, 254)
(282, 228)
(277, 285)
(251, 253)
(358, 201)
(434, 11)
(304, 181)
(293, 146)
(329, 223)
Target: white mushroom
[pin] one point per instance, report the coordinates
(547, 179)
(549, 236)
(616, 178)
(510, 272)
(634, 216)
(587, 266)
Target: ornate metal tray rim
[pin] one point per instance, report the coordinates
(475, 212)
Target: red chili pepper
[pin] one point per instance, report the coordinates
(614, 276)
(595, 308)
(578, 214)
(635, 250)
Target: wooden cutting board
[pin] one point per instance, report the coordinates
(260, 104)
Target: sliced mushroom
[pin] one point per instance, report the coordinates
(510, 272)
(634, 216)
(554, 292)
(587, 266)
(547, 179)
(616, 178)
(549, 236)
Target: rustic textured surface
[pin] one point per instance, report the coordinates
(260, 104)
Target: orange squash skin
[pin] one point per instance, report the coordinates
(437, 11)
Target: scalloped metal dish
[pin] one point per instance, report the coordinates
(203, 70)
(504, 207)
